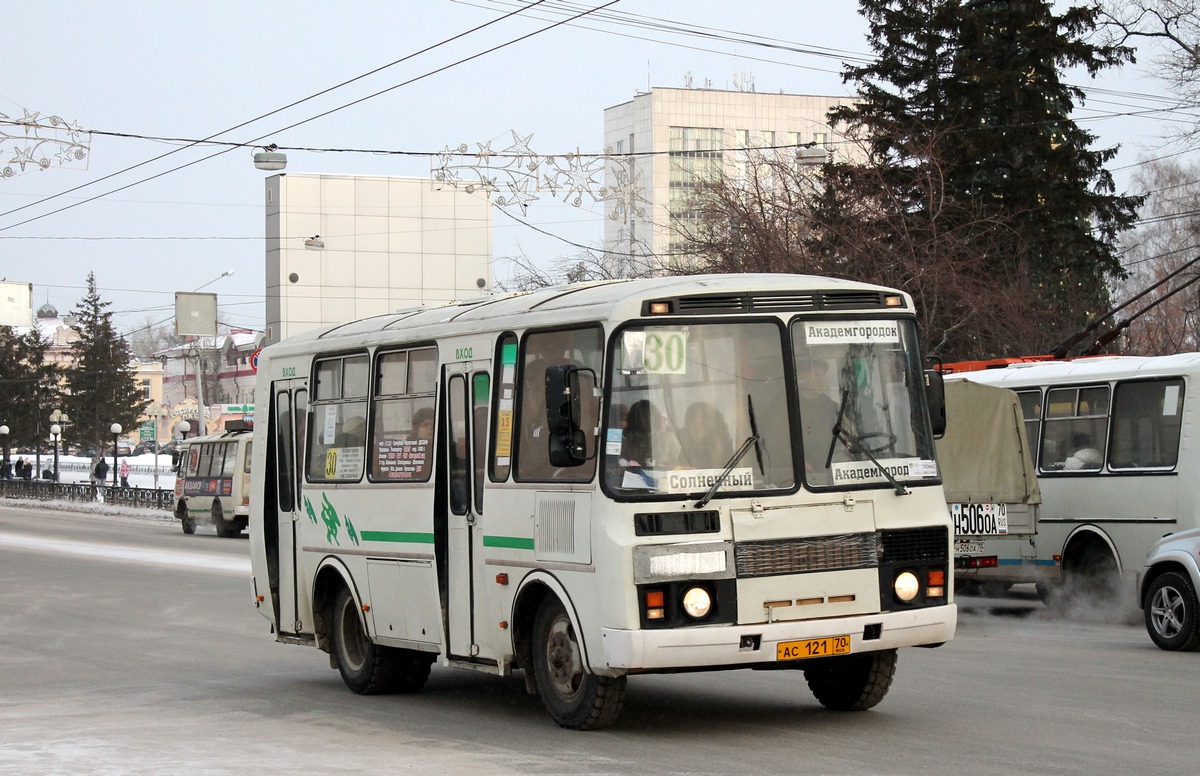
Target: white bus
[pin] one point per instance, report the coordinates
(212, 482)
(592, 481)
(1115, 450)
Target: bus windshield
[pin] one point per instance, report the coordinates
(860, 385)
(685, 398)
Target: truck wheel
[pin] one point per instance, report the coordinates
(1171, 616)
(851, 682)
(575, 698)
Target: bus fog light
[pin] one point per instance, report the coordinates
(697, 603)
(906, 586)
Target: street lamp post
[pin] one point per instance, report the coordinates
(55, 431)
(7, 472)
(58, 419)
(116, 432)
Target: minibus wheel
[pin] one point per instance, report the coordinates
(366, 667)
(851, 682)
(186, 520)
(218, 518)
(575, 698)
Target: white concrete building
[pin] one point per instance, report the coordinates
(689, 134)
(343, 247)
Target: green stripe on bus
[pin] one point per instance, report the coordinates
(397, 536)
(511, 542)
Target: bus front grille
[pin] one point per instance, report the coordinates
(915, 545)
(799, 556)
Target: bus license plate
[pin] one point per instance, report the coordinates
(797, 650)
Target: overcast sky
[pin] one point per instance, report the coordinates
(162, 71)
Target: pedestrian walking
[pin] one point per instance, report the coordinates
(125, 474)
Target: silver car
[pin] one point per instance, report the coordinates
(1166, 589)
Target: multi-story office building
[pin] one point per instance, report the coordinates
(679, 137)
(344, 247)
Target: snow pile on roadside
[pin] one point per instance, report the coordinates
(96, 508)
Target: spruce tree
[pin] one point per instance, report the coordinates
(29, 386)
(968, 95)
(103, 385)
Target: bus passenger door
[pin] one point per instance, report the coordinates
(468, 396)
(285, 474)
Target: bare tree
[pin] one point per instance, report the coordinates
(845, 222)
(1172, 28)
(588, 265)
(1163, 261)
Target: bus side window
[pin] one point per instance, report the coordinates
(1147, 417)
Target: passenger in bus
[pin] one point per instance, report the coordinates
(647, 440)
(818, 410)
(422, 424)
(353, 433)
(1085, 456)
(704, 441)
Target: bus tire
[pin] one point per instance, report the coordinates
(364, 665)
(575, 698)
(1095, 576)
(1171, 616)
(218, 518)
(185, 520)
(851, 682)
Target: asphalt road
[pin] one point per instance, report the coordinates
(127, 647)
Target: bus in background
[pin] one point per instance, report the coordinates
(991, 489)
(1116, 457)
(591, 481)
(212, 480)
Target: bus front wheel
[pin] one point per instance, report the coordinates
(851, 682)
(575, 698)
(186, 520)
(366, 667)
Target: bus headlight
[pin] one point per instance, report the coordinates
(697, 603)
(906, 586)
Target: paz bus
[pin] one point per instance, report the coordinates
(212, 480)
(1114, 446)
(594, 481)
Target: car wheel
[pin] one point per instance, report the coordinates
(575, 698)
(1170, 609)
(851, 682)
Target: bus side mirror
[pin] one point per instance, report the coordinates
(564, 415)
(174, 460)
(935, 396)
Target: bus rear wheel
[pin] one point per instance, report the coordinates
(851, 682)
(366, 667)
(218, 518)
(575, 698)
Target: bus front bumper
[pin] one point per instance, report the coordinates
(732, 645)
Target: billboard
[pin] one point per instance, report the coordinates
(195, 314)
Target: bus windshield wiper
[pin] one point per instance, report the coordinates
(753, 439)
(737, 457)
(854, 445)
